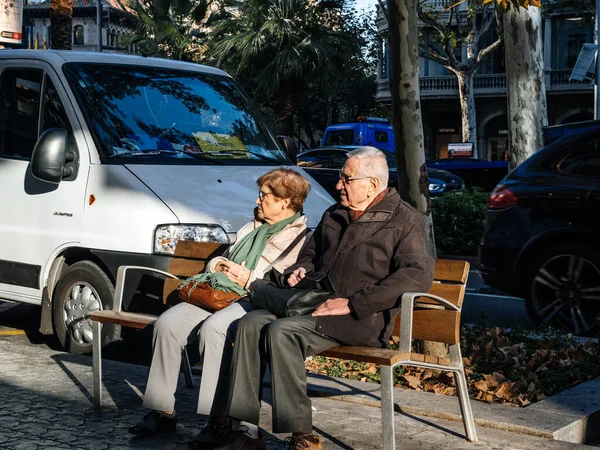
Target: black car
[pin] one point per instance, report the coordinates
(542, 235)
(476, 172)
(324, 163)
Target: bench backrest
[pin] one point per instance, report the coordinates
(438, 325)
(441, 324)
(189, 259)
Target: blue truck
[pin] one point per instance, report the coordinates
(374, 131)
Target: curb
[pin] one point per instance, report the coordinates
(570, 416)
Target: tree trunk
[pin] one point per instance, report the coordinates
(61, 24)
(467, 109)
(526, 90)
(406, 119)
(406, 109)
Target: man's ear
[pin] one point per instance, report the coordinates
(375, 183)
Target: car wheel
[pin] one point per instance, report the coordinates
(563, 289)
(82, 289)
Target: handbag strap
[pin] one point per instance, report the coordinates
(288, 249)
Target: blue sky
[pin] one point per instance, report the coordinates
(365, 3)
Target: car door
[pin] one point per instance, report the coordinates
(38, 218)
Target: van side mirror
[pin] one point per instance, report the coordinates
(289, 146)
(51, 160)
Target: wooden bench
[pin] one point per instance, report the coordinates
(432, 316)
(189, 259)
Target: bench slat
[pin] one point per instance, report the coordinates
(170, 291)
(186, 267)
(451, 271)
(199, 250)
(123, 318)
(454, 293)
(380, 356)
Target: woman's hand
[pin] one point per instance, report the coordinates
(235, 272)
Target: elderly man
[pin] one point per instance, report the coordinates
(372, 246)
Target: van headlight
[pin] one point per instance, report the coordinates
(167, 236)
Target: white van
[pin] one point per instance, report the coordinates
(110, 159)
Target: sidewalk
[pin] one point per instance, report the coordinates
(46, 403)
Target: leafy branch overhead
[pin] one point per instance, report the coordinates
(505, 4)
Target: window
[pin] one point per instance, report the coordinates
(315, 160)
(381, 136)
(569, 35)
(585, 161)
(340, 137)
(19, 111)
(78, 35)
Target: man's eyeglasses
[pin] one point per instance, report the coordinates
(346, 179)
(262, 195)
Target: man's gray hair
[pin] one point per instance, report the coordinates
(373, 163)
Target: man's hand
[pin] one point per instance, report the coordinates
(296, 276)
(333, 307)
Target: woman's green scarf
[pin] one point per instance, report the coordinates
(248, 249)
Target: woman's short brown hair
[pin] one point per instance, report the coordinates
(286, 183)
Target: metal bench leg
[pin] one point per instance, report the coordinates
(187, 369)
(463, 395)
(97, 361)
(387, 408)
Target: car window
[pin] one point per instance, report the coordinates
(314, 160)
(338, 159)
(584, 161)
(381, 136)
(19, 111)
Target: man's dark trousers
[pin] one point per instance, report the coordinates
(287, 342)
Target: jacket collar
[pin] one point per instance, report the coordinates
(381, 212)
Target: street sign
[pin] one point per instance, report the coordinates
(11, 21)
(584, 67)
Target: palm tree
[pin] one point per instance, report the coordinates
(61, 21)
(280, 46)
(174, 29)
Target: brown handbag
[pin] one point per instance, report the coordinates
(206, 297)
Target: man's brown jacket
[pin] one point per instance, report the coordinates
(372, 261)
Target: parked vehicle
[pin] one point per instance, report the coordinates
(542, 234)
(373, 131)
(324, 164)
(110, 159)
(476, 172)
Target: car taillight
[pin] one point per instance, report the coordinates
(502, 198)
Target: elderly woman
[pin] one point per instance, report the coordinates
(279, 224)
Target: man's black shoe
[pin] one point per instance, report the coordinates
(213, 435)
(154, 422)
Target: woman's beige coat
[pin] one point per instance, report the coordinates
(275, 246)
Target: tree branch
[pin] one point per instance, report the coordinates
(432, 54)
(484, 53)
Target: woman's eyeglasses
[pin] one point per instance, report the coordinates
(262, 195)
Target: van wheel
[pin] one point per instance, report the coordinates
(563, 289)
(82, 289)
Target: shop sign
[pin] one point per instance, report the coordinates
(502, 132)
(460, 149)
(446, 130)
(11, 21)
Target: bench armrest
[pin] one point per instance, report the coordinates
(406, 316)
(120, 283)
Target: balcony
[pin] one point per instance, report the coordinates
(557, 81)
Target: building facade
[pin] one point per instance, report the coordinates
(116, 24)
(564, 32)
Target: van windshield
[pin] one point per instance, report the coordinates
(151, 114)
(340, 137)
